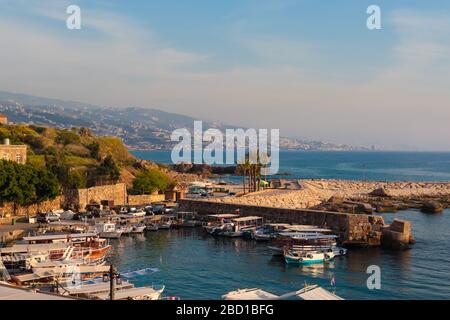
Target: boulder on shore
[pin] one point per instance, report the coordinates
(432, 207)
(380, 192)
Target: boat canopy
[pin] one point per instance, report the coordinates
(30, 248)
(60, 236)
(99, 287)
(308, 235)
(223, 216)
(244, 219)
(131, 293)
(303, 228)
(313, 292)
(249, 294)
(317, 293)
(8, 292)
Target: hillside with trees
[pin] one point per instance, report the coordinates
(72, 158)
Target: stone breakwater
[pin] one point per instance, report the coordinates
(317, 192)
(352, 229)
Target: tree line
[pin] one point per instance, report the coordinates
(26, 184)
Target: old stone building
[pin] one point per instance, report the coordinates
(3, 119)
(16, 153)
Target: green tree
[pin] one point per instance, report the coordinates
(47, 185)
(76, 180)
(109, 168)
(25, 185)
(148, 181)
(66, 137)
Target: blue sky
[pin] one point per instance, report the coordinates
(310, 68)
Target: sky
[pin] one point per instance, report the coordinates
(310, 68)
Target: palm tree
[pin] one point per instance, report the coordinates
(244, 168)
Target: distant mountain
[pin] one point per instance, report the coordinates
(139, 128)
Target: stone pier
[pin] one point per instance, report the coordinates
(352, 229)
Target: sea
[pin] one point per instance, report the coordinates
(194, 265)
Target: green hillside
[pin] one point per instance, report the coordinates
(75, 156)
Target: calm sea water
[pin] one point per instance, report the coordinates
(194, 265)
(380, 166)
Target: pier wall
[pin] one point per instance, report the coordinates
(80, 198)
(139, 200)
(357, 229)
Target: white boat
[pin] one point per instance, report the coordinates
(308, 257)
(165, 225)
(239, 226)
(136, 293)
(313, 292)
(138, 228)
(152, 227)
(108, 230)
(126, 229)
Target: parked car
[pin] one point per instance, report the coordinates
(48, 217)
(82, 216)
(101, 214)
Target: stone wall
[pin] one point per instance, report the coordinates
(79, 198)
(139, 200)
(352, 229)
(31, 210)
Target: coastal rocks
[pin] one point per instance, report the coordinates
(397, 235)
(385, 206)
(381, 192)
(432, 207)
(364, 208)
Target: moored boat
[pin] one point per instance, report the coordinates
(138, 228)
(151, 227)
(308, 257)
(108, 230)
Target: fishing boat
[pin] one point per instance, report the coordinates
(310, 241)
(166, 222)
(125, 229)
(151, 227)
(268, 231)
(61, 272)
(217, 222)
(307, 257)
(108, 230)
(62, 246)
(186, 219)
(239, 226)
(138, 228)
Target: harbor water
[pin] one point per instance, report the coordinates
(194, 265)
